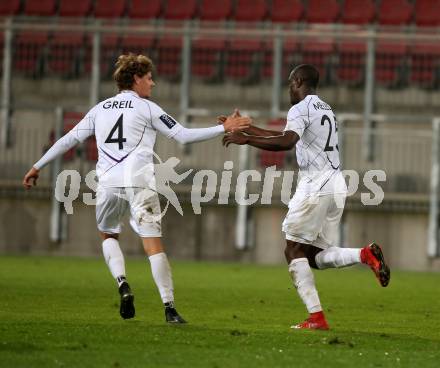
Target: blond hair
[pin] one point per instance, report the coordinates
(129, 65)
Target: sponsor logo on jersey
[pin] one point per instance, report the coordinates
(168, 120)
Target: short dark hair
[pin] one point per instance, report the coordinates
(307, 73)
(130, 65)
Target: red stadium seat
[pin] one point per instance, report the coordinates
(207, 58)
(395, 12)
(285, 11)
(77, 8)
(290, 59)
(65, 54)
(351, 65)
(10, 7)
(91, 149)
(250, 10)
(169, 51)
(213, 10)
(109, 8)
(244, 60)
(180, 9)
(358, 12)
(322, 11)
(319, 53)
(39, 7)
(138, 44)
(270, 158)
(425, 65)
(390, 63)
(109, 53)
(29, 52)
(427, 13)
(144, 9)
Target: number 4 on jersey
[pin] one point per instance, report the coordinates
(117, 127)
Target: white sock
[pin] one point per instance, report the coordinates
(161, 270)
(335, 257)
(304, 283)
(114, 259)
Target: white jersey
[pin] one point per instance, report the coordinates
(317, 150)
(125, 127)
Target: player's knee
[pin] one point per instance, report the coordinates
(105, 236)
(293, 250)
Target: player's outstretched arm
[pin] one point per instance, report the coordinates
(231, 124)
(283, 142)
(252, 129)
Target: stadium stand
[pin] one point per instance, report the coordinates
(286, 11)
(245, 57)
(425, 65)
(358, 12)
(77, 8)
(40, 7)
(390, 65)
(109, 8)
(144, 9)
(10, 7)
(169, 48)
(322, 11)
(30, 52)
(427, 13)
(66, 54)
(207, 53)
(351, 63)
(395, 12)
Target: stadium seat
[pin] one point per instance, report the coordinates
(207, 58)
(427, 13)
(77, 8)
(180, 9)
(30, 52)
(395, 12)
(425, 65)
(358, 12)
(169, 52)
(109, 8)
(66, 54)
(110, 51)
(10, 7)
(213, 10)
(319, 52)
(322, 11)
(270, 158)
(286, 11)
(244, 60)
(144, 9)
(39, 7)
(138, 44)
(91, 149)
(350, 69)
(390, 68)
(289, 59)
(250, 10)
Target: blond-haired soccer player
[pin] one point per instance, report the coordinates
(316, 208)
(125, 127)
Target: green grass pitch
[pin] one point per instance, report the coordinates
(63, 312)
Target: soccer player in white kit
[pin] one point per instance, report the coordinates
(125, 127)
(315, 210)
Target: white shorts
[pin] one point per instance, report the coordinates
(145, 213)
(314, 219)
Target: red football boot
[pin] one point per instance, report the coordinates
(316, 321)
(372, 256)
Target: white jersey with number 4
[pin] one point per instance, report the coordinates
(317, 150)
